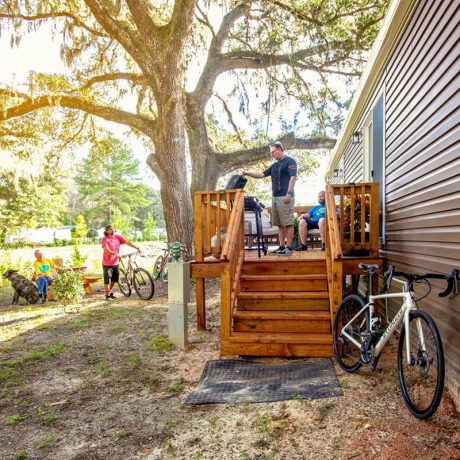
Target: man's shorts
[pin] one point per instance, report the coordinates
(282, 214)
(111, 274)
(310, 224)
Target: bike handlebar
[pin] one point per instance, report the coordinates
(130, 254)
(451, 278)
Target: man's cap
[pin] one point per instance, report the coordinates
(108, 227)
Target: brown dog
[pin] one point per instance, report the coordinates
(22, 287)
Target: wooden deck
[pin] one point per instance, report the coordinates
(276, 305)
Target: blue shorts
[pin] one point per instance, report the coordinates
(311, 225)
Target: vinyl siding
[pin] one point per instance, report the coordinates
(421, 86)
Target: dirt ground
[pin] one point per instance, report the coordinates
(101, 382)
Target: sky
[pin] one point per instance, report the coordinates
(38, 52)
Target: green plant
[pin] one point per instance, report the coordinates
(81, 229)
(177, 387)
(13, 419)
(159, 343)
(134, 360)
(46, 418)
(46, 441)
(67, 286)
(77, 259)
(22, 454)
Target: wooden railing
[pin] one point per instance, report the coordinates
(212, 211)
(358, 206)
(333, 253)
(231, 260)
(352, 229)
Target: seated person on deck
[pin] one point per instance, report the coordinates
(314, 218)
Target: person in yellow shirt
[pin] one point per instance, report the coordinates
(43, 275)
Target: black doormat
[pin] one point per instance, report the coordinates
(236, 381)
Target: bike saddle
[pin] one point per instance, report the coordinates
(369, 268)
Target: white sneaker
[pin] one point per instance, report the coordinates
(285, 252)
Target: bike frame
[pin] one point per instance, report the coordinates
(129, 267)
(402, 315)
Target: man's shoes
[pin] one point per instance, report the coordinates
(323, 247)
(112, 296)
(277, 251)
(107, 297)
(285, 252)
(301, 247)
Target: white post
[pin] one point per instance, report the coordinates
(178, 298)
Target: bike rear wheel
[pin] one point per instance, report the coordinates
(421, 380)
(143, 284)
(346, 352)
(157, 267)
(123, 283)
(164, 271)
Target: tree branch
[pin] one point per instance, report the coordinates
(230, 118)
(58, 14)
(244, 158)
(122, 31)
(141, 123)
(211, 71)
(136, 78)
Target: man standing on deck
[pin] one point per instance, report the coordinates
(283, 174)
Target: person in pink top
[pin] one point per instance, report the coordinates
(110, 258)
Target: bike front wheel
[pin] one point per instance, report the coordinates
(421, 379)
(347, 353)
(157, 267)
(143, 284)
(123, 283)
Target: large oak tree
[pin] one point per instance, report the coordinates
(148, 49)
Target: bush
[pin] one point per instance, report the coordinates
(67, 287)
(6, 263)
(77, 259)
(92, 233)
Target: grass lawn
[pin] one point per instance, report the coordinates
(100, 380)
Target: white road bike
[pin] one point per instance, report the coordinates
(359, 338)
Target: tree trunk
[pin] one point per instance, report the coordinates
(169, 165)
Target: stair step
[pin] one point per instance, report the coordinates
(284, 277)
(286, 301)
(276, 349)
(282, 315)
(282, 338)
(276, 295)
(282, 321)
(287, 282)
(283, 267)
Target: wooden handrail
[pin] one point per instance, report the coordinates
(231, 260)
(335, 246)
(232, 230)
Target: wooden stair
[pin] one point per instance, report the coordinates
(282, 309)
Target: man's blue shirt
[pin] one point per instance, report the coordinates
(317, 212)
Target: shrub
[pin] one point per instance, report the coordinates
(67, 286)
(77, 259)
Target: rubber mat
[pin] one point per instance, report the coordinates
(237, 381)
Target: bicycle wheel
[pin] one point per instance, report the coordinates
(157, 267)
(421, 380)
(347, 353)
(143, 284)
(123, 283)
(164, 272)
